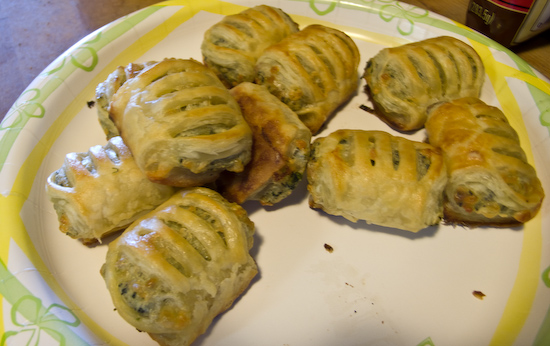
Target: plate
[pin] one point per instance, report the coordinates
(379, 286)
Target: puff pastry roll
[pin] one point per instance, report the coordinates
(101, 191)
(313, 71)
(490, 180)
(280, 149)
(374, 176)
(181, 124)
(404, 81)
(231, 47)
(105, 90)
(172, 271)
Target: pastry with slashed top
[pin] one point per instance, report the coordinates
(490, 180)
(377, 177)
(230, 47)
(181, 124)
(313, 71)
(98, 192)
(175, 269)
(404, 81)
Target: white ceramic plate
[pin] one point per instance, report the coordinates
(379, 286)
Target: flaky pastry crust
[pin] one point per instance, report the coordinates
(101, 191)
(313, 71)
(280, 149)
(490, 180)
(404, 81)
(374, 176)
(105, 90)
(232, 46)
(172, 271)
(181, 124)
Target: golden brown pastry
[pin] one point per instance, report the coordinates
(105, 91)
(374, 176)
(313, 71)
(172, 271)
(404, 81)
(280, 149)
(102, 191)
(490, 180)
(231, 47)
(181, 124)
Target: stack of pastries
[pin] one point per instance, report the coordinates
(189, 142)
(177, 131)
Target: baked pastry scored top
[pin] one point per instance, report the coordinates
(172, 271)
(280, 149)
(105, 90)
(490, 180)
(181, 124)
(230, 47)
(102, 191)
(373, 176)
(404, 81)
(313, 71)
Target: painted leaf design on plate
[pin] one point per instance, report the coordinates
(38, 320)
(26, 106)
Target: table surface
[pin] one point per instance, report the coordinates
(34, 33)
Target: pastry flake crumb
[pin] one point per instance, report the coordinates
(479, 295)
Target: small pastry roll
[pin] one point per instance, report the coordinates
(404, 81)
(231, 47)
(280, 149)
(181, 124)
(376, 177)
(172, 271)
(313, 71)
(105, 90)
(101, 191)
(490, 180)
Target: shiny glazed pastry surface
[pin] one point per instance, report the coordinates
(181, 124)
(280, 149)
(490, 180)
(374, 176)
(101, 191)
(404, 81)
(313, 71)
(175, 269)
(230, 48)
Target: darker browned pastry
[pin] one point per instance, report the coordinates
(280, 149)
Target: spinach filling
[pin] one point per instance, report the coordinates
(423, 163)
(61, 179)
(186, 234)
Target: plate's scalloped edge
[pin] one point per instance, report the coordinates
(83, 55)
